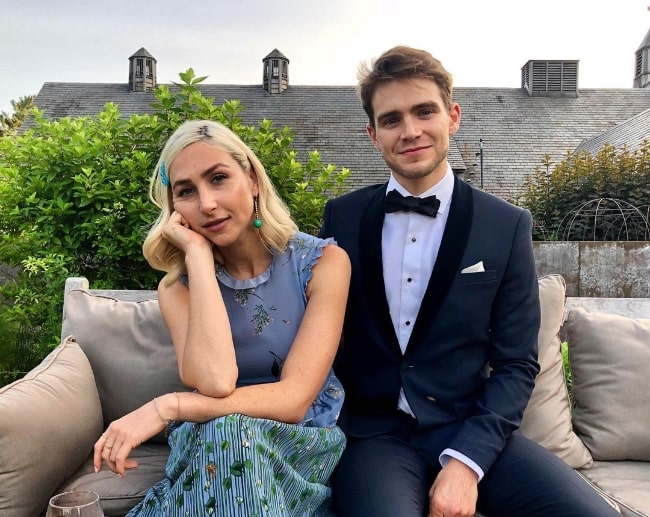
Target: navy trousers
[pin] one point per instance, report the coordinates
(390, 476)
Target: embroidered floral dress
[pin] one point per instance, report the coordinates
(243, 466)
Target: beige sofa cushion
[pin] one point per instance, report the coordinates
(120, 494)
(610, 362)
(547, 419)
(628, 482)
(58, 396)
(129, 348)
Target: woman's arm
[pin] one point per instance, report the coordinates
(197, 319)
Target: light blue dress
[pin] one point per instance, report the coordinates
(243, 466)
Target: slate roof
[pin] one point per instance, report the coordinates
(518, 130)
(631, 134)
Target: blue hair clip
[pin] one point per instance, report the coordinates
(164, 179)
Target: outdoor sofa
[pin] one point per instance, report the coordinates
(116, 354)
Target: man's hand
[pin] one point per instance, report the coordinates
(454, 492)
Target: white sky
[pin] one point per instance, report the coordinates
(481, 42)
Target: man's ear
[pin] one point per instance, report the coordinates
(454, 118)
(372, 133)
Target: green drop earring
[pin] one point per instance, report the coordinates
(257, 223)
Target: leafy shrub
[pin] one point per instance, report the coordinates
(556, 191)
(566, 366)
(9, 123)
(74, 202)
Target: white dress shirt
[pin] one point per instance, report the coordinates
(410, 244)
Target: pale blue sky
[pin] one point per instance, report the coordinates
(482, 43)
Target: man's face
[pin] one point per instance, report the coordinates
(412, 130)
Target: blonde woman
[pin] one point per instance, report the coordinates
(255, 310)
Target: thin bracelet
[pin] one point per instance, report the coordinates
(178, 407)
(167, 421)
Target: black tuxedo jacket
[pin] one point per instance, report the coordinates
(472, 356)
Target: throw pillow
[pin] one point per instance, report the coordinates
(58, 396)
(129, 348)
(610, 360)
(547, 419)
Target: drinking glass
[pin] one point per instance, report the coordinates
(79, 503)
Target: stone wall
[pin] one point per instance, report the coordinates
(614, 269)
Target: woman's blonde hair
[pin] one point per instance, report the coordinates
(277, 228)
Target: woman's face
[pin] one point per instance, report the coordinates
(213, 193)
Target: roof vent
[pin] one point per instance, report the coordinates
(550, 78)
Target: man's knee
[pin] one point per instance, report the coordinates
(380, 477)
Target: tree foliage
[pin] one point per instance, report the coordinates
(617, 182)
(9, 123)
(74, 202)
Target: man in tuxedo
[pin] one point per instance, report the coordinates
(439, 351)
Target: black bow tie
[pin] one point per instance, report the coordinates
(395, 202)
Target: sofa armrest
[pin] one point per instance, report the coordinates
(49, 421)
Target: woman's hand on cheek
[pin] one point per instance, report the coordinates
(178, 232)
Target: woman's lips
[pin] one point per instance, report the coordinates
(215, 225)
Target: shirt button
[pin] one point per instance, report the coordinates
(413, 239)
(408, 323)
(409, 280)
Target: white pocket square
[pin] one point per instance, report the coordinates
(476, 268)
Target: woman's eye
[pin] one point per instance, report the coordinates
(185, 192)
(218, 178)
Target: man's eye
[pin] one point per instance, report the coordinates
(426, 112)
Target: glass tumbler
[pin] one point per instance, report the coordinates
(78, 503)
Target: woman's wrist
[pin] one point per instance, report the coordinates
(199, 253)
(167, 407)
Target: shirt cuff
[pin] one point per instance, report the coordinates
(447, 454)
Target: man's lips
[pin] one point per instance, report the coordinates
(414, 150)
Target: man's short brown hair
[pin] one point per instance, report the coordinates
(400, 63)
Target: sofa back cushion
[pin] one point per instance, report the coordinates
(57, 396)
(129, 348)
(547, 419)
(610, 362)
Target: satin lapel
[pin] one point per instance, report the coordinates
(452, 247)
(372, 222)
